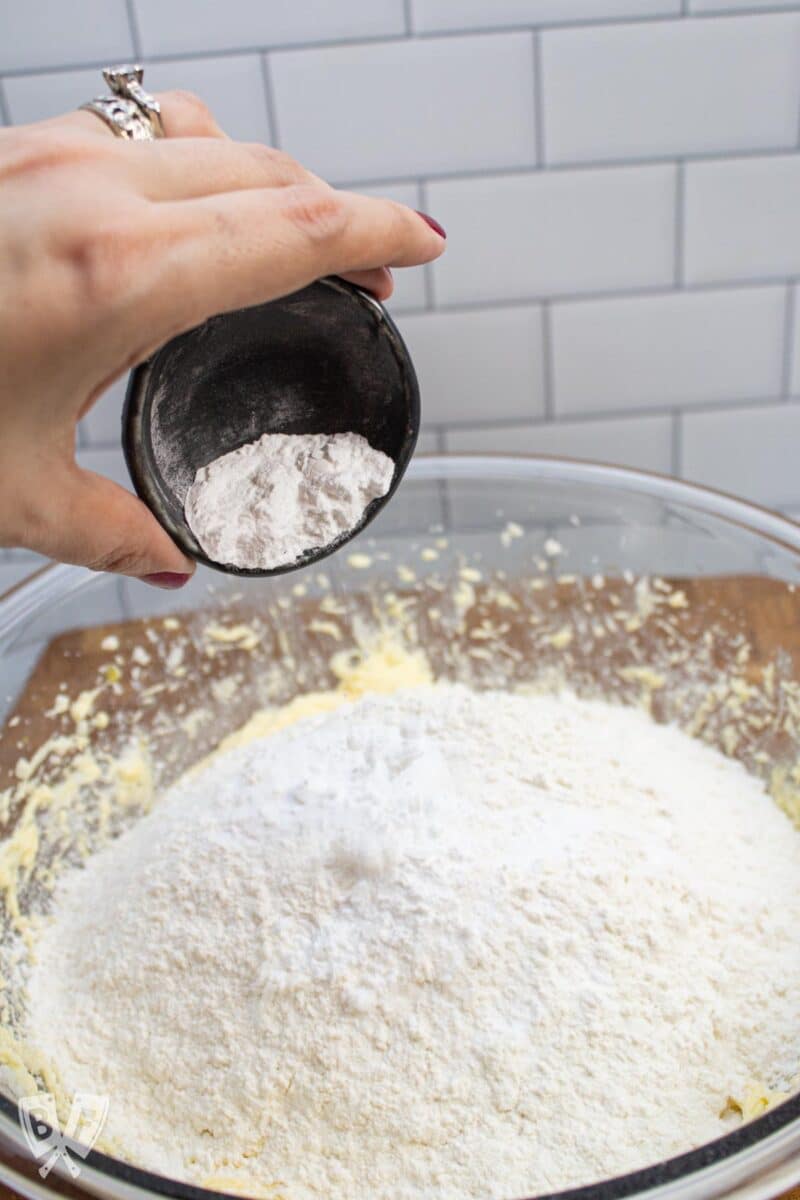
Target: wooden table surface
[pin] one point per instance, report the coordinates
(765, 609)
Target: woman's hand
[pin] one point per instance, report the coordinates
(108, 248)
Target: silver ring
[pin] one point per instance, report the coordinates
(130, 112)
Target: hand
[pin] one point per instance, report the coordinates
(109, 248)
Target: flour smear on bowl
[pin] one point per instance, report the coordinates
(439, 942)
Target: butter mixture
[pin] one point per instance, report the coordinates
(431, 942)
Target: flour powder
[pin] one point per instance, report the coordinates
(437, 943)
(267, 503)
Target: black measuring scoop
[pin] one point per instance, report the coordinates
(327, 359)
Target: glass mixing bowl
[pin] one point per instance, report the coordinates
(504, 570)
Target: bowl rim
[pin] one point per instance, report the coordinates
(729, 1163)
(758, 518)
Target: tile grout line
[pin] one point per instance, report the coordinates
(676, 446)
(408, 17)
(427, 270)
(270, 101)
(444, 500)
(788, 342)
(571, 419)
(476, 173)
(538, 101)
(133, 25)
(680, 223)
(423, 35)
(576, 166)
(685, 408)
(609, 295)
(604, 295)
(123, 598)
(548, 372)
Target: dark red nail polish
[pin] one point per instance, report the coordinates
(166, 579)
(435, 226)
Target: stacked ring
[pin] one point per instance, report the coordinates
(130, 111)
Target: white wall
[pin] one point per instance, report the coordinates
(619, 179)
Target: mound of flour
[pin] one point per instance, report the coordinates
(435, 943)
(267, 503)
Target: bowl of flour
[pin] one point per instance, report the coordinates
(470, 870)
(269, 437)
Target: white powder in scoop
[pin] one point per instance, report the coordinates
(437, 943)
(265, 504)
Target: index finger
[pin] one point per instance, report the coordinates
(234, 249)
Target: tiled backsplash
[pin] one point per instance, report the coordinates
(619, 179)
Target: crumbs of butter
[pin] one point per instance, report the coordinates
(82, 707)
(756, 1098)
(241, 637)
(243, 1187)
(511, 531)
(359, 562)
(386, 667)
(325, 627)
(561, 638)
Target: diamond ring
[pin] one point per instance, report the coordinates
(130, 111)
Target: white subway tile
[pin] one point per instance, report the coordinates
(44, 33)
(717, 6)
(751, 452)
(473, 366)
(642, 442)
(409, 282)
(103, 423)
(427, 442)
(408, 107)
(36, 97)
(794, 346)
(671, 87)
(550, 233)
(233, 87)
(181, 26)
(742, 218)
(675, 349)
(436, 15)
(110, 463)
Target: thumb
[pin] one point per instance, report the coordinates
(109, 529)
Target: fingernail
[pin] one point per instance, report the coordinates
(435, 226)
(166, 579)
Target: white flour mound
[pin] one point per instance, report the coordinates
(265, 504)
(436, 943)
